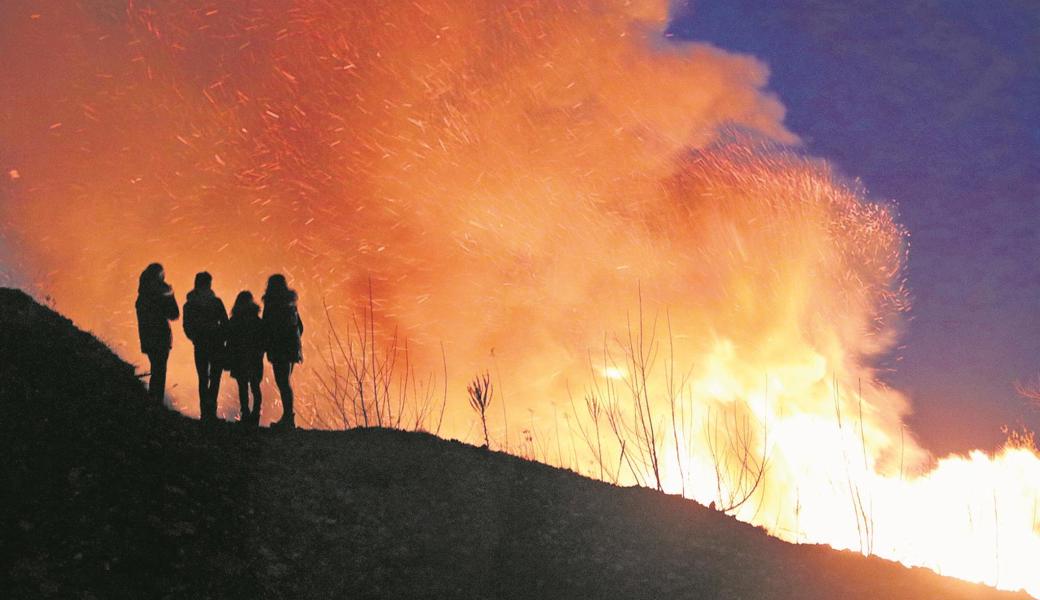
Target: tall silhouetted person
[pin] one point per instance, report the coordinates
(245, 348)
(205, 319)
(156, 307)
(282, 329)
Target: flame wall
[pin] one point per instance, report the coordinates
(511, 175)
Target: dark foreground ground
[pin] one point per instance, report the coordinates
(107, 496)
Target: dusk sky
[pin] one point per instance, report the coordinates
(782, 256)
(936, 106)
(931, 105)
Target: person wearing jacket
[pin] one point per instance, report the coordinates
(282, 330)
(245, 350)
(205, 319)
(156, 307)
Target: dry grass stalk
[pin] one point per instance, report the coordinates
(480, 392)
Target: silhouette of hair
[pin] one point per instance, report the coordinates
(150, 277)
(203, 280)
(244, 304)
(278, 289)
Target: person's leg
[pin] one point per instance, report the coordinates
(282, 371)
(243, 398)
(160, 390)
(216, 373)
(202, 370)
(153, 358)
(157, 380)
(258, 400)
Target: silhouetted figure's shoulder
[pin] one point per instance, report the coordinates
(283, 326)
(158, 299)
(280, 312)
(280, 298)
(156, 306)
(204, 315)
(205, 299)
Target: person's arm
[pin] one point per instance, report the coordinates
(173, 312)
(222, 321)
(189, 322)
(265, 331)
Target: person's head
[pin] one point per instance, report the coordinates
(278, 289)
(153, 274)
(203, 281)
(244, 304)
(276, 283)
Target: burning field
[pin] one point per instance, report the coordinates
(616, 226)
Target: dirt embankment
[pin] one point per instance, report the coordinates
(105, 495)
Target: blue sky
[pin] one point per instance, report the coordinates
(935, 105)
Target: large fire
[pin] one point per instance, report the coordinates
(606, 220)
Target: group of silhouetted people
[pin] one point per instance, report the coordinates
(236, 344)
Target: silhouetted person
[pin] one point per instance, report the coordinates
(245, 349)
(204, 321)
(282, 329)
(156, 307)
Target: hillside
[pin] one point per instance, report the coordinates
(107, 496)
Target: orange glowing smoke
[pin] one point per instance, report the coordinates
(509, 174)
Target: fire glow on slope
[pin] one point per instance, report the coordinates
(509, 174)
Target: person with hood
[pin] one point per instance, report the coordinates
(156, 307)
(282, 330)
(205, 319)
(245, 349)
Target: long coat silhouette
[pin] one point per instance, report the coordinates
(282, 330)
(245, 353)
(205, 319)
(245, 341)
(283, 327)
(155, 307)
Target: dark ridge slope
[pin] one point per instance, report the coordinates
(107, 496)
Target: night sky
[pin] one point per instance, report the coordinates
(935, 105)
